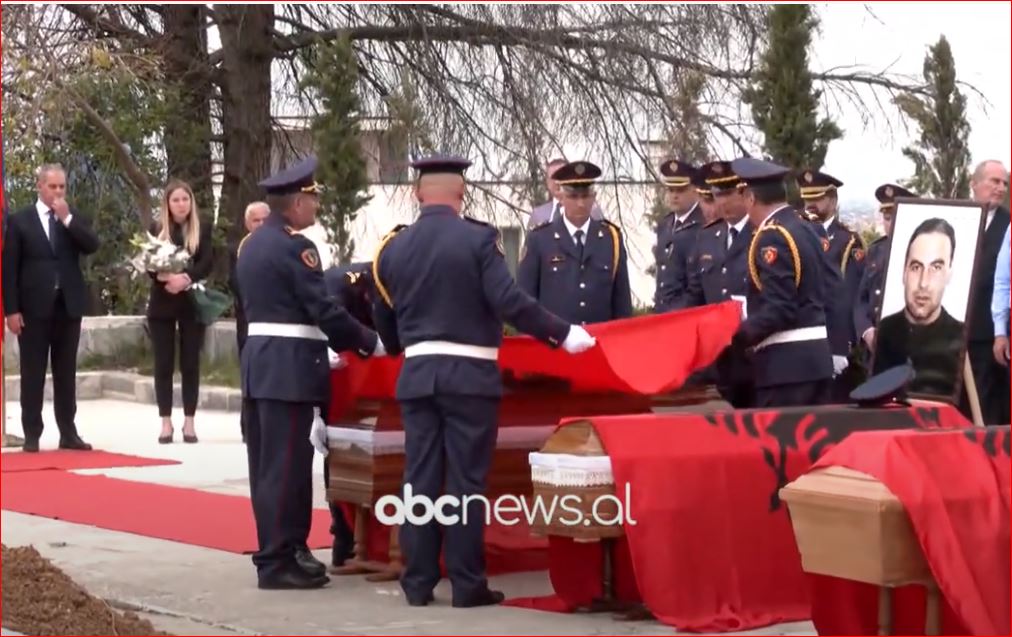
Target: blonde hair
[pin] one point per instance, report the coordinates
(191, 229)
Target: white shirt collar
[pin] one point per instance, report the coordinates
(572, 229)
(682, 218)
(42, 208)
(740, 225)
(828, 222)
(990, 218)
(770, 215)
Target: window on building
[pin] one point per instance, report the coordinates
(511, 246)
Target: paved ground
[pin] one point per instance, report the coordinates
(191, 590)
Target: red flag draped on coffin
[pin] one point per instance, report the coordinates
(955, 488)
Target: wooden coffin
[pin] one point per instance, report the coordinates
(573, 468)
(849, 525)
(366, 458)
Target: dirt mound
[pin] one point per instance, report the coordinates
(39, 599)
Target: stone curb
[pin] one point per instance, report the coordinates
(132, 387)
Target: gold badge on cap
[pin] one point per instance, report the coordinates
(809, 178)
(889, 191)
(580, 169)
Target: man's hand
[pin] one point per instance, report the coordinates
(318, 434)
(1001, 353)
(380, 350)
(578, 340)
(335, 360)
(15, 323)
(61, 209)
(869, 337)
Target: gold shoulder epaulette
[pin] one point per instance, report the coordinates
(376, 261)
(616, 240)
(753, 269)
(242, 241)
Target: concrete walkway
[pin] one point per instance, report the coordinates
(191, 590)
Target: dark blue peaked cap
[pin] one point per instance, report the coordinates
(885, 387)
(298, 178)
(436, 164)
(754, 171)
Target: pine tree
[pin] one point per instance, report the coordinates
(785, 106)
(941, 155)
(333, 75)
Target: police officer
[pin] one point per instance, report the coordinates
(685, 218)
(444, 291)
(285, 372)
(720, 272)
(869, 294)
(785, 326)
(576, 265)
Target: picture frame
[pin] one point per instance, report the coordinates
(919, 319)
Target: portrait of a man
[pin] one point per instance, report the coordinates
(923, 332)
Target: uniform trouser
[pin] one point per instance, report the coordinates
(43, 341)
(992, 381)
(281, 479)
(816, 392)
(449, 440)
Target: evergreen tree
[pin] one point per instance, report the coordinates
(941, 155)
(785, 106)
(333, 74)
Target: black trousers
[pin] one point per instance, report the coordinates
(449, 441)
(163, 342)
(43, 342)
(816, 392)
(281, 480)
(992, 382)
(241, 329)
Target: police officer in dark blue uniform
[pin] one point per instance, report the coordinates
(285, 372)
(576, 266)
(720, 273)
(444, 291)
(785, 328)
(869, 294)
(685, 218)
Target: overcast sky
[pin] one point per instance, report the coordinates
(896, 35)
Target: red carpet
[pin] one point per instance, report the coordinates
(223, 522)
(71, 460)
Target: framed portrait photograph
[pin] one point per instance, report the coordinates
(926, 295)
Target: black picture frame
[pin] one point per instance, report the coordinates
(957, 390)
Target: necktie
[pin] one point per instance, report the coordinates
(52, 230)
(578, 235)
(732, 234)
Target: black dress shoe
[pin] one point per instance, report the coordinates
(308, 562)
(74, 443)
(425, 600)
(292, 579)
(485, 598)
(31, 445)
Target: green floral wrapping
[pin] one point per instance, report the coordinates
(209, 304)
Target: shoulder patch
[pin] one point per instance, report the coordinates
(310, 258)
(769, 255)
(477, 221)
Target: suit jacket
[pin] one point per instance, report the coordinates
(163, 305)
(981, 324)
(543, 213)
(31, 268)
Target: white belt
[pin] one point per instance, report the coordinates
(793, 336)
(287, 330)
(446, 348)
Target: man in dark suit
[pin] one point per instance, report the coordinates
(989, 185)
(44, 298)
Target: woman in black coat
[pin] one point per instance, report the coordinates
(171, 309)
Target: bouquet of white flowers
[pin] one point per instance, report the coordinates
(157, 256)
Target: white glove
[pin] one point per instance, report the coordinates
(380, 350)
(318, 434)
(840, 363)
(336, 362)
(578, 340)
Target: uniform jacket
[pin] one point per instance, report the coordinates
(675, 259)
(718, 272)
